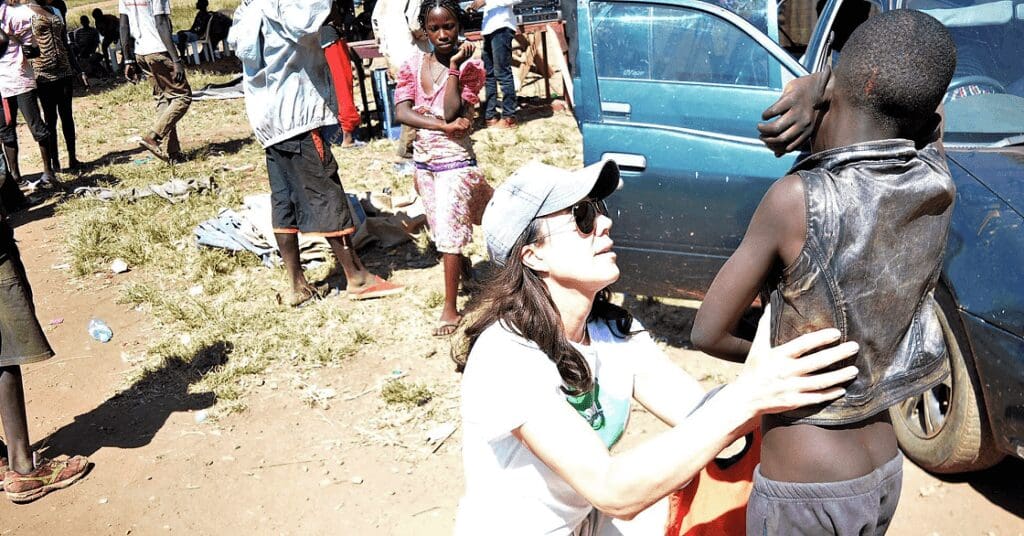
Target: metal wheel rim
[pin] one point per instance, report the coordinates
(925, 415)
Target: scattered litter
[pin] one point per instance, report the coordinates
(173, 190)
(62, 266)
(103, 500)
(200, 416)
(318, 396)
(196, 290)
(142, 161)
(439, 435)
(405, 169)
(119, 266)
(57, 321)
(397, 373)
(431, 509)
(357, 480)
(238, 169)
(99, 330)
(185, 339)
(440, 432)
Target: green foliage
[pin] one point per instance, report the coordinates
(409, 394)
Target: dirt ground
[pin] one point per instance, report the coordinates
(284, 467)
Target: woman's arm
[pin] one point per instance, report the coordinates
(661, 387)
(774, 380)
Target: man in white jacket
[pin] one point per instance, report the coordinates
(287, 90)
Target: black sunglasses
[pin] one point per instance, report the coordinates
(585, 214)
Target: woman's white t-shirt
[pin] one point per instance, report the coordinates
(507, 381)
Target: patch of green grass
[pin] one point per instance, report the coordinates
(409, 394)
(434, 299)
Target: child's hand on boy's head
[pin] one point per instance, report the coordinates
(796, 112)
(465, 52)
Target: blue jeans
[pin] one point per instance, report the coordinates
(498, 63)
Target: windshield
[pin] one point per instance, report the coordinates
(985, 100)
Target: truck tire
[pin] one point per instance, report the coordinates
(946, 429)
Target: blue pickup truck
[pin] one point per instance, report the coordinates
(672, 91)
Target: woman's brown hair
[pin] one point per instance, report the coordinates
(516, 297)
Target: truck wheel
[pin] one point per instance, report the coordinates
(946, 429)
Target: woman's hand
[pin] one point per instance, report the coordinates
(457, 128)
(465, 52)
(779, 379)
(797, 111)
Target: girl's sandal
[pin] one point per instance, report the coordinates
(47, 476)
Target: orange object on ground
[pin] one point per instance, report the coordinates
(715, 502)
(341, 74)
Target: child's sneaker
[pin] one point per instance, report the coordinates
(47, 476)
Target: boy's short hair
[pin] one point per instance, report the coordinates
(896, 67)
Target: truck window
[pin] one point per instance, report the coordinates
(674, 44)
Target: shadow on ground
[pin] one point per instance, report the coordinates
(131, 418)
(219, 148)
(1000, 484)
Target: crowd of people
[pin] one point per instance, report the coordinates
(854, 232)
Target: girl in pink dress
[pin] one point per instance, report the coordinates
(435, 95)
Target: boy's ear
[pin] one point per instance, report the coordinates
(830, 86)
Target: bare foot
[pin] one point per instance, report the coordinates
(302, 296)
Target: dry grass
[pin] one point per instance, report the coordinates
(200, 298)
(182, 11)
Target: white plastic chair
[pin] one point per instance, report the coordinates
(208, 49)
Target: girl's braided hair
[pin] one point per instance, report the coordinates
(451, 6)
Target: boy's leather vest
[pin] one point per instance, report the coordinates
(877, 218)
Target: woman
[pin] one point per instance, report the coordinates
(18, 89)
(55, 68)
(548, 335)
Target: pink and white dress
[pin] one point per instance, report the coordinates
(453, 188)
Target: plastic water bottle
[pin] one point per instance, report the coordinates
(100, 330)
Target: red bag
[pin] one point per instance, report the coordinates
(715, 501)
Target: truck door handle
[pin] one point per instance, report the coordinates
(627, 161)
(619, 108)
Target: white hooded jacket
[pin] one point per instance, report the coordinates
(285, 77)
